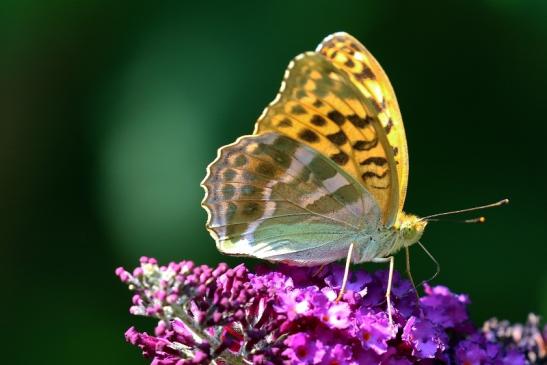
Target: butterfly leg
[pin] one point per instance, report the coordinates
(409, 274)
(319, 271)
(391, 261)
(346, 273)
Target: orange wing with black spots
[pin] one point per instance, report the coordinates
(364, 71)
(320, 105)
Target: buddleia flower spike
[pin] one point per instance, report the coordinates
(289, 315)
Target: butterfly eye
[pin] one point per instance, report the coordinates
(408, 232)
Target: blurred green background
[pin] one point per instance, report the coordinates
(110, 112)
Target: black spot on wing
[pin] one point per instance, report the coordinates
(308, 135)
(359, 122)
(370, 175)
(229, 174)
(240, 160)
(365, 145)
(388, 126)
(318, 120)
(285, 123)
(366, 73)
(378, 161)
(248, 176)
(228, 191)
(338, 138)
(252, 210)
(340, 158)
(231, 210)
(336, 117)
(298, 109)
(375, 104)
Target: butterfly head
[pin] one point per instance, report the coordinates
(411, 228)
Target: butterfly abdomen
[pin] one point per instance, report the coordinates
(374, 244)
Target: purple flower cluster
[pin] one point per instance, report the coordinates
(290, 315)
(527, 338)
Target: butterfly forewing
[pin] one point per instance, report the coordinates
(320, 106)
(350, 56)
(271, 197)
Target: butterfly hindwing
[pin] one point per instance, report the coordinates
(271, 197)
(320, 106)
(350, 56)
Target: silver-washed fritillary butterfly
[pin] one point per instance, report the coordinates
(324, 175)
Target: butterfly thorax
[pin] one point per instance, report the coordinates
(384, 241)
(409, 229)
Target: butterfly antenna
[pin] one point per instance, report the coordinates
(474, 220)
(437, 271)
(493, 205)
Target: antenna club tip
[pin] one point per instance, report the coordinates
(476, 220)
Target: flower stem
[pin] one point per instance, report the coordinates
(200, 336)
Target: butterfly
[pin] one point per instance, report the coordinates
(324, 175)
